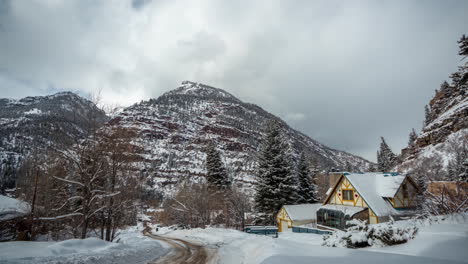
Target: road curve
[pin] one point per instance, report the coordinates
(183, 252)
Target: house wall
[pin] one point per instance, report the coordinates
(337, 198)
(364, 215)
(399, 201)
(283, 216)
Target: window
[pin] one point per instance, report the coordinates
(405, 191)
(348, 195)
(330, 218)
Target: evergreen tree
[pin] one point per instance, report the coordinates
(427, 115)
(444, 86)
(463, 175)
(307, 190)
(460, 78)
(458, 166)
(276, 182)
(463, 45)
(422, 181)
(386, 159)
(412, 137)
(216, 175)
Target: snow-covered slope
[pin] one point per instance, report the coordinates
(174, 129)
(34, 123)
(446, 128)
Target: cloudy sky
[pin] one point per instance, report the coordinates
(343, 72)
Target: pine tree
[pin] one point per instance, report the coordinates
(422, 181)
(386, 159)
(276, 182)
(463, 174)
(444, 86)
(307, 190)
(463, 45)
(458, 166)
(427, 115)
(216, 175)
(412, 137)
(460, 78)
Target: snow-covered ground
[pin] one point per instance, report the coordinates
(444, 242)
(11, 208)
(132, 247)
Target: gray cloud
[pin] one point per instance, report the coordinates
(343, 72)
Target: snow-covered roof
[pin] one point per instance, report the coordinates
(373, 187)
(301, 212)
(346, 209)
(11, 208)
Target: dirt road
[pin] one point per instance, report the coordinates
(183, 252)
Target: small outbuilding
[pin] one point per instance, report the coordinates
(296, 215)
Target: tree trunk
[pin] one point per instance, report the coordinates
(108, 225)
(84, 229)
(33, 205)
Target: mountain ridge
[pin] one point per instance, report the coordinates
(35, 123)
(174, 128)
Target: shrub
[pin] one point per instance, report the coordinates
(359, 234)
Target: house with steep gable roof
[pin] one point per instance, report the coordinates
(373, 197)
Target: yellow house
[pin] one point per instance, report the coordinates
(373, 197)
(296, 215)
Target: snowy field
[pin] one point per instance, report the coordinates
(441, 242)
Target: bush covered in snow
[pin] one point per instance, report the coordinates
(359, 234)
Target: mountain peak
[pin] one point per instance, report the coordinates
(201, 90)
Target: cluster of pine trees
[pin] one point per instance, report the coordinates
(278, 182)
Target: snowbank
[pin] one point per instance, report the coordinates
(132, 247)
(11, 208)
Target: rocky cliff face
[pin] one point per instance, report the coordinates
(445, 132)
(174, 129)
(448, 115)
(35, 123)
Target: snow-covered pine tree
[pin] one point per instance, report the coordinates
(276, 182)
(444, 86)
(457, 167)
(412, 137)
(422, 181)
(307, 190)
(460, 77)
(386, 159)
(427, 115)
(216, 175)
(463, 45)
(463, 175)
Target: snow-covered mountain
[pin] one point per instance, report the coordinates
(445, 130)
(34, 123)
(174, 129)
